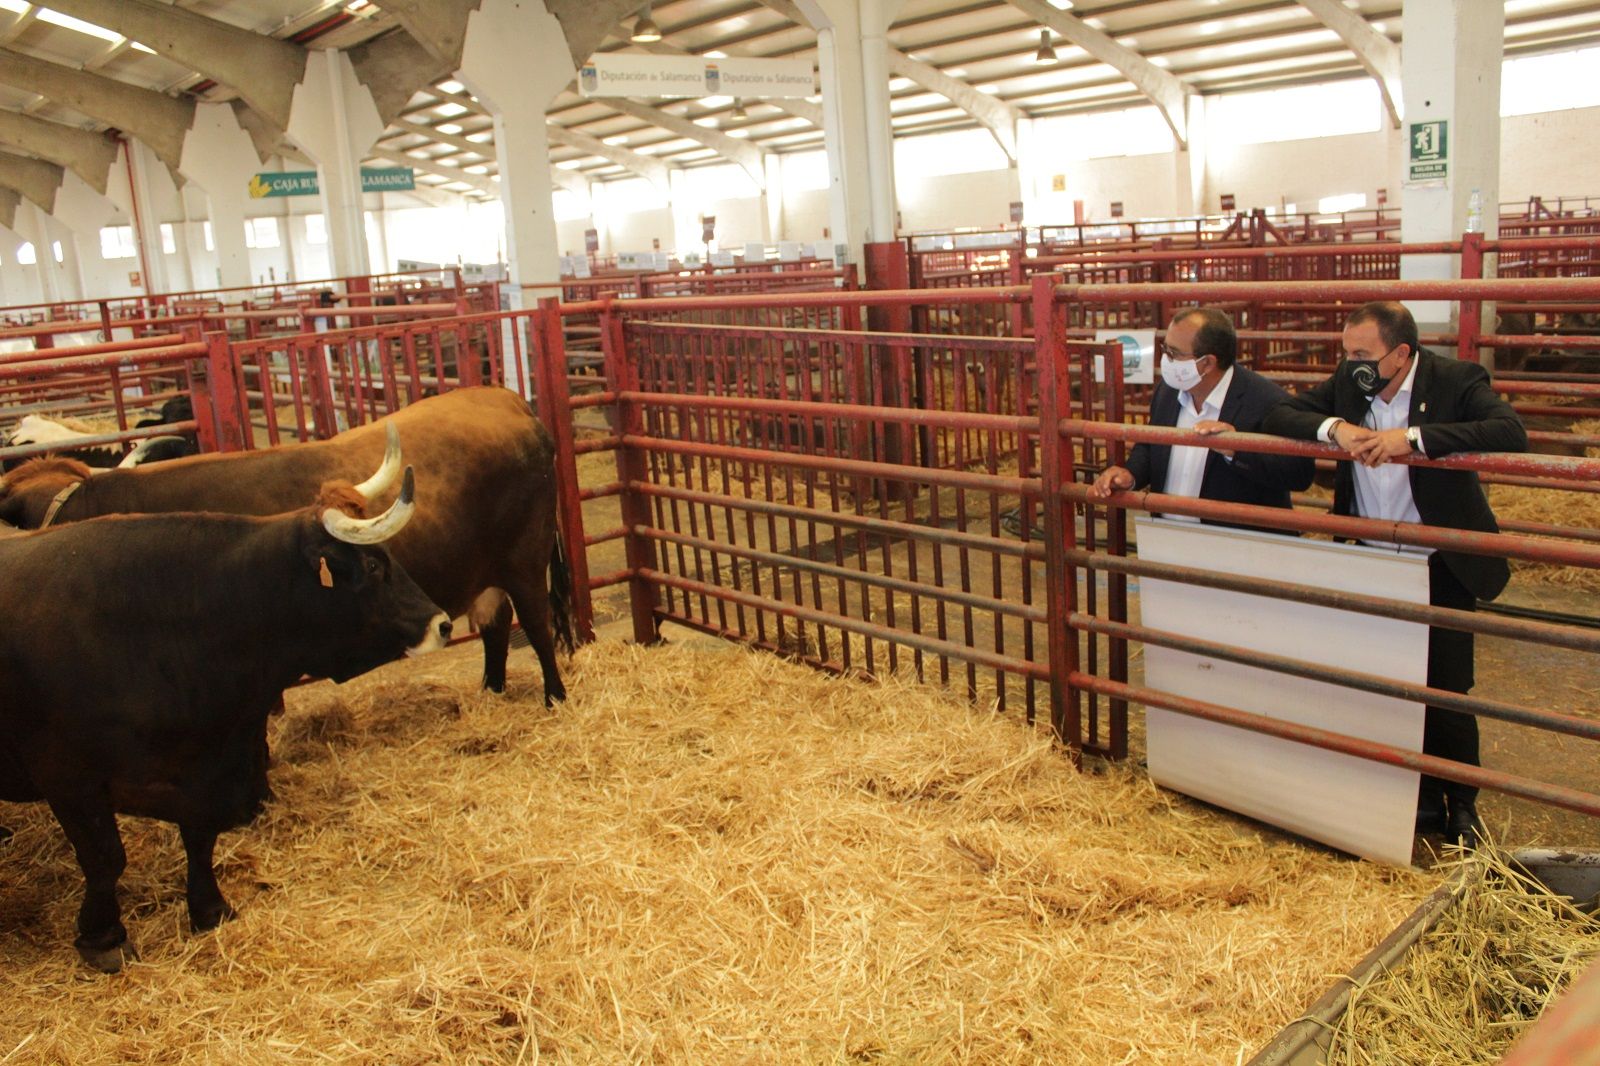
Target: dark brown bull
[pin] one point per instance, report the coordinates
(142, 654)
(485, 471)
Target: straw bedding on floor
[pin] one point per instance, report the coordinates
(706, 856)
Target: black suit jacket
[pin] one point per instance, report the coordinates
(1250, 477)
(1458, 411)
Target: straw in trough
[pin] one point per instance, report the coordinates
(1484, 973)
(706, 855)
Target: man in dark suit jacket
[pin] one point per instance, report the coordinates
(1389, 398)
(1202, 389)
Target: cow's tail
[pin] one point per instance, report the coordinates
(561, 594)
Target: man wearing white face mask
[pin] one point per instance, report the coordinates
(1204, 391)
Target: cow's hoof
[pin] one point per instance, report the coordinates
(554, 696)
(205, 919)
(108, 960)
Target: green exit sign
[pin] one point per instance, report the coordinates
(1430, 151)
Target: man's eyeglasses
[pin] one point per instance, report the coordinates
(1169, 352)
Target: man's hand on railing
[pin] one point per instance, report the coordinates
(1209, 426)
(1111, 479)
(1379, 446)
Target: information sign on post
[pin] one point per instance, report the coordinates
(591, 241)
(1138, 354)
(1430, 151)
(1228, 201)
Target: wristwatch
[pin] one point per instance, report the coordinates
(1414, 438)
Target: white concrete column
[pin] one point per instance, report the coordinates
(382, 262)
(1190, 163)
(72, 282)
(853, 59)
(31, 227)
(11, 286)
(686, 227)
(141, 170)
(844, 135)
(515, 61)
(335, 121)
(776, 226)
(191, 242)
(286, 231)
(219, 157)
(1450, 68)
(875, 18)
(9, 283)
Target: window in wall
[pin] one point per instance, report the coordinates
(1101, 135)
(26, 255)
(58, 252)
(316, 229)
(169, 239)
(1328, 110)
(205, 231)
(1350, 201)
(261, 233)
(956, 152)
(1550, 83)
(116, 242)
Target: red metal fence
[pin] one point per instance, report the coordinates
(798, 490)
(875, 499)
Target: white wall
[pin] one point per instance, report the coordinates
(1301, 172)
(1550, 154)
(633, 231)
(945, 201)
(1145, 184)
(738, 221)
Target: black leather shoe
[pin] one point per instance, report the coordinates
(1430, 822)
(1464, 827)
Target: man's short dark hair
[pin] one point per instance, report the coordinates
(1215, 335)
(1394, 321)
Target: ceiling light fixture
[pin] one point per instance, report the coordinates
(645, 30)
(1046, 54)
(739, 110)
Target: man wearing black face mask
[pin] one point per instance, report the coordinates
(1391, 397)
(1204, 391)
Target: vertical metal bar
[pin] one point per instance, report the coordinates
(1117, 584)
(1061, 578)
(556, 414)
(222, 376)
(622, 372)
(1469, 319)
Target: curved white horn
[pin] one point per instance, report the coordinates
(379, 483)
(373, 530)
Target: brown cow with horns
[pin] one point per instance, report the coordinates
(485, 469)
(142, 654)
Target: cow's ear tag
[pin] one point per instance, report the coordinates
(323, 573)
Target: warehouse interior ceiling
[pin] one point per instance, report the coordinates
(945, 48)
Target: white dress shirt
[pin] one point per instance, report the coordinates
(1385, 491)
(1186, 467)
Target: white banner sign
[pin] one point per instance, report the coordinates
(625, 74)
